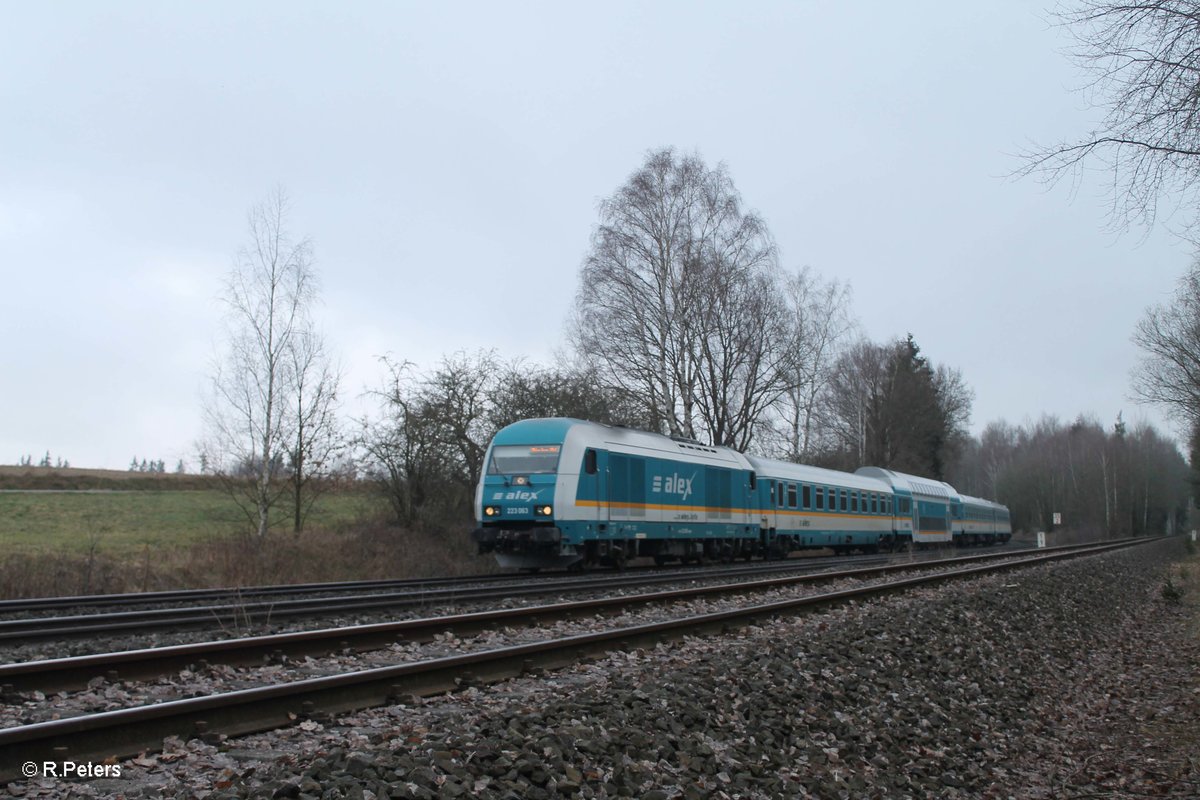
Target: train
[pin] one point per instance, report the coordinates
(561, 492)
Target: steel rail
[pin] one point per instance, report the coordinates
(126, 732)
(23, 605)
(237, 614)
(64, 674)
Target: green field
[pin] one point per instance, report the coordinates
(122, 523)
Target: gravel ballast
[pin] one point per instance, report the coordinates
(1073, 679)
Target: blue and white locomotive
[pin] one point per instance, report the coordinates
(565, 492)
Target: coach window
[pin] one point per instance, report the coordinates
(779, 494)
(842, 494)
(874, 503)
(854, 502)
(887, 506)
(791, 495)
(820, 498)
(806, 496)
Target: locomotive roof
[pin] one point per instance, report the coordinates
(590, 434)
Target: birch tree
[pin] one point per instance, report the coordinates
(671, 287)
(819, 321)
(263, 406)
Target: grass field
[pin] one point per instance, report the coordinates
(75, 531)
(124, 523)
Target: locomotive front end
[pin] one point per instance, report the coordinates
(515, 502)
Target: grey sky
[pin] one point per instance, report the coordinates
(446, 160)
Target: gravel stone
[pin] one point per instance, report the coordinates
(1036, 683)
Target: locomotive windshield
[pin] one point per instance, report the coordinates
(513, 459)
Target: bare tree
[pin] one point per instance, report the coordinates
(672, 272)
(316, 437)
(1144, 58)
(1169, 334)
(402, 448)
(818, 323)
(854, 404)
(741, 352)
(268, 295)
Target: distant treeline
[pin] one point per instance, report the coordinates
(70, 478)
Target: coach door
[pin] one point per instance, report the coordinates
(769, 516)
(916, 515)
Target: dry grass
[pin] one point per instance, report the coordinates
(363, 552)
(65, 532)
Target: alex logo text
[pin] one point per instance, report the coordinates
(673, 484)
(516, 495)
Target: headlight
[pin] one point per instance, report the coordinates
(545, 511)
(491, 511)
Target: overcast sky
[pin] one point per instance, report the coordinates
(446, 160)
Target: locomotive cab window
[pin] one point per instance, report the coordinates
(589, 462)
(520, 459)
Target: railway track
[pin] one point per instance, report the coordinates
(241, 595)
(235, 615)
(132, 730)
(56, 675)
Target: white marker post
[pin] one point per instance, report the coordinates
(1041, 538)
